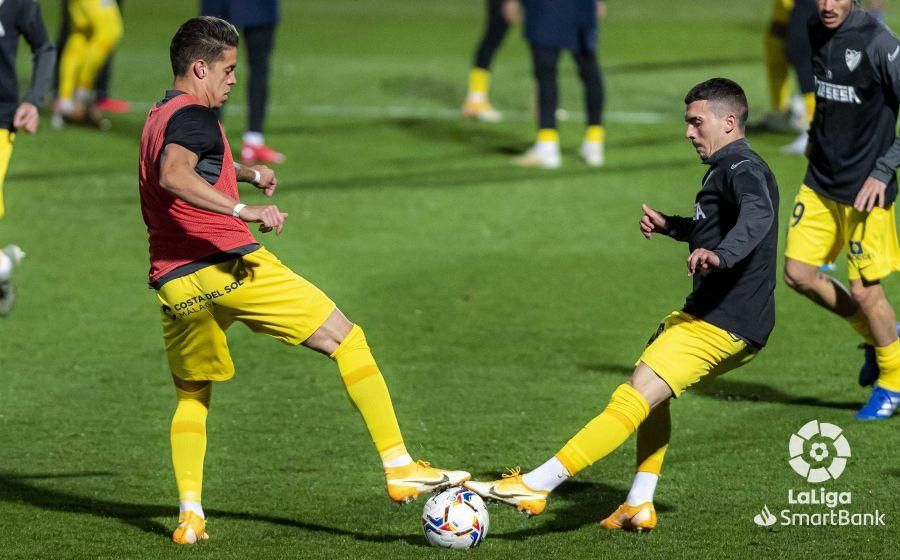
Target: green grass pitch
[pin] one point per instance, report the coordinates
(503, 305)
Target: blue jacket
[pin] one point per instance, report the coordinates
(568, 24)
(243, 13)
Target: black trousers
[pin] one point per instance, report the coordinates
(494, 32)
(101, 85)
(259, 39)
(545, 62)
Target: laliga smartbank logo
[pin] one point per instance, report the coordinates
(818, 452)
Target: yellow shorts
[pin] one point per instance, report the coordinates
(820, 227)
(257, 290)
(96, 16)
(781, 11)
(6, 147)
(686, 349)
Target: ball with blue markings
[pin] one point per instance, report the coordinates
(455, 518)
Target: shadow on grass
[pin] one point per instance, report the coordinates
(727, 389)
(574, 505)
(15, 489)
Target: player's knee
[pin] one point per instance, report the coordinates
(867, 297)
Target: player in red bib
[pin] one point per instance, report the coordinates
(209, 272)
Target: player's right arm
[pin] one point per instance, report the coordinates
(178, 176)
(30, 24)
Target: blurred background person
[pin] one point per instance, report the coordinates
(95, 30)
(500, 14)
(550, 27)
(256, 20)
(21, 18)
(104, 101)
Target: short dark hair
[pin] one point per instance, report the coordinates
(205, 38)
(724, 92)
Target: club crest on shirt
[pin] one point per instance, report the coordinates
(852, 58)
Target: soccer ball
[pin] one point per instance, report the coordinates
(455, 518)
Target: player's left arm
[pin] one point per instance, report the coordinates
(756, 214)
(259, 176)
(884, 54)
(30, 25)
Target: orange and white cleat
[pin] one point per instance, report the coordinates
(407, 483)
(512, 490)
(191, 528)
(482, 110)
(640, 518)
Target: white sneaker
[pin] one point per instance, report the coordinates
(798, 146)
(544, 155)
(797, 114)
(7, 291)
(592, 153)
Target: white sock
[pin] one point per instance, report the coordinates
(642, 488)
(547, 477)
(66, 106)
(6, 267)
(191, 506)
(400, 461)
(476, 97)
(83, 95)
(254, 138)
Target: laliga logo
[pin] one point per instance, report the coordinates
(828, 451)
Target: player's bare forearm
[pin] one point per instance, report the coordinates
(259, 176)
(178, 177)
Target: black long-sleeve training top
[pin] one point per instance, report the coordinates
(853, 134)
(736, 217)
(22, 18)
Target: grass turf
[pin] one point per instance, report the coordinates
(504, 305)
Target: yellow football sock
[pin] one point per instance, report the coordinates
(188, 437)
(889, 363)
(369, 393)
(6, 148)
(70, 63)
(626, 410)
(809, 101)
(595, 133)
(548, 135)
(653, 439)
(860, 323)
(479, 80)
(777, 68)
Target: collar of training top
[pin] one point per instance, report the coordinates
(728, 149)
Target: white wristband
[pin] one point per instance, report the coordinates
(236, 211)
(257, 178)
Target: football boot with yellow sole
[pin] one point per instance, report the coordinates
(191, 528)
(407, 483)
(632, 518)
(511, 490)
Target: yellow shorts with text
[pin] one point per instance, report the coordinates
(820, 228)
(686, 349)
(257, 290)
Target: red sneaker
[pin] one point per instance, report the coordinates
(111, 105)
(260, 154)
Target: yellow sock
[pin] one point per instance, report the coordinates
(653, 439)
(860, 324)
(595, 133)
(777, 68)
(601, 436)
(369, 393)
(70, 63)
(188, 437)
(889, 364)
(548, 135)
(809, 101)
(479, 81)
(106, 30)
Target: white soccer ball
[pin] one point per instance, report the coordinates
(455, 518)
